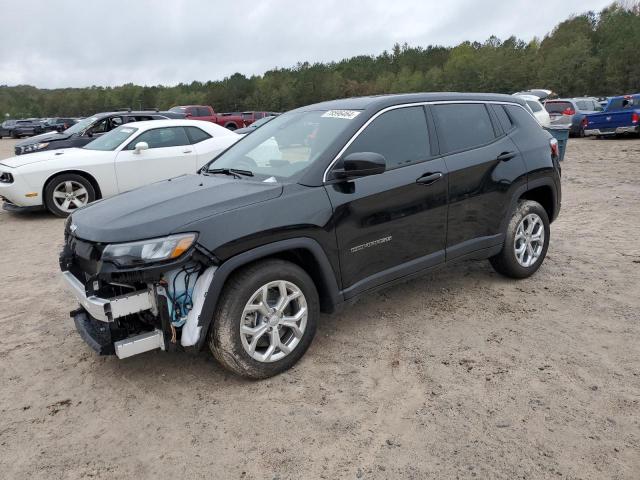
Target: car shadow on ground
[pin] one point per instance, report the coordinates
(200, 367)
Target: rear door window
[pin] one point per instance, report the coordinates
(400, 135)
(462, 126)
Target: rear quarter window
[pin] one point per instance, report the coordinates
(197, 135)
(463, 126)
(521, 117)
(503, 118)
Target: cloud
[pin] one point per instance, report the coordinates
(79, 43)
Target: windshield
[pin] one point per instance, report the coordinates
(111, 140)
(81, 125)
(178, 109)
(287, 145)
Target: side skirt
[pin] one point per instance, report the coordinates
(480, 254)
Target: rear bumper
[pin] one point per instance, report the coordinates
(611, 131)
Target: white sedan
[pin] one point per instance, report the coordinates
(534, 105)
(130, 156)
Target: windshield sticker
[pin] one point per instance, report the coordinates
(346, 114)
(270, 180)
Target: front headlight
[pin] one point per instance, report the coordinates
(148, 251)
(36, 146)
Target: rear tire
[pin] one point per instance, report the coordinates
(245, 307)
(67, 192)
(526, 241)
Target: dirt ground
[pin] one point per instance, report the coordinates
(460, 374)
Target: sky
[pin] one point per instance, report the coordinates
(78, 43)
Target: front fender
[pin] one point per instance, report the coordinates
(331, 289)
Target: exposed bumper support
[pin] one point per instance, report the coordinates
(106, 310)
(139, 344)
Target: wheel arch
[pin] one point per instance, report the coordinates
(542, 190)
(544, 195)
(304, 252)
(90, 178)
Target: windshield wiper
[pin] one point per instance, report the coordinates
(231, 171)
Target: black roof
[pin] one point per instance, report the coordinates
(377, 102)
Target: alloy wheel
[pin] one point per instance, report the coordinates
(529, 240)
(273, 321)
(70, 195)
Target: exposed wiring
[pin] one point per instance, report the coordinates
(181, 304)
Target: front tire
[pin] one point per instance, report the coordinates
(526, 241)
(67, 192)
(265, 320)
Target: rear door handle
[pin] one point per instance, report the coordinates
(429, 178)
(506, 156)
(186, 151)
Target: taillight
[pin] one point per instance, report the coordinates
(568, 111)
(555, 152)
(635, 118)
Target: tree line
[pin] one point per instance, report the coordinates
(595, 53)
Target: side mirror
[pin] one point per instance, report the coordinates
(360, 164)
(140, 146)
(188, 115)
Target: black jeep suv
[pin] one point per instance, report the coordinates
(317, 207)
(87, 129)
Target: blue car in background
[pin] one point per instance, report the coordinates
(571, 112)
(621, 116)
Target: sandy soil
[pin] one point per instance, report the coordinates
(461, 374)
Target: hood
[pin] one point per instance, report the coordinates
(61, 154)
(45, 137)
(161, 208)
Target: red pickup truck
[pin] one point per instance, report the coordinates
(250, 117)
(206, 113)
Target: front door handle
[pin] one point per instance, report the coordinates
(506, 156)
(429, 178)
(186, 151)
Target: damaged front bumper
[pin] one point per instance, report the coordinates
(127, 312)
(93, 318)
(106, 310)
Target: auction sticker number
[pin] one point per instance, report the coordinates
(346, 114)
